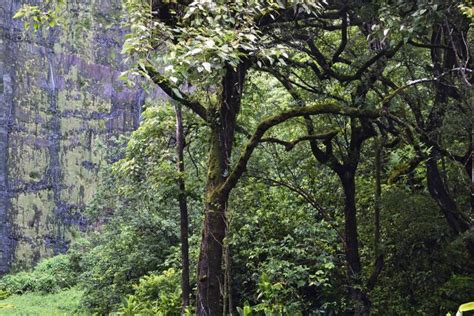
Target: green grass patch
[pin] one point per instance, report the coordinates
(65, 302)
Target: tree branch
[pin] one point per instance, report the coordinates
(290, 145)
(379, 262)
(323, 63)
(420, 81)
(343, 43)
(322, 108)
(174, 92)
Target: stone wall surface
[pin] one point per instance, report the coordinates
(61, 103)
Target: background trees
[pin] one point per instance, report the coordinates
(322, 140)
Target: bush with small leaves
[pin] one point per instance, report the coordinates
(50, 275)
(155, 294)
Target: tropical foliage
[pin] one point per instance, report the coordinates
(324, 167)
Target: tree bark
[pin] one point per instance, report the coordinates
(222, 121)
(228, 303)
(183, 210)
(378, 193)
(444, 61)
(455, 218)
(346, 172)
(456, 221)
(354, 269)
(350, 223)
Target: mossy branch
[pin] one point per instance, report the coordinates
(264, 126)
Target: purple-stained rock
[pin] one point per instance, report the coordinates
(60, 99)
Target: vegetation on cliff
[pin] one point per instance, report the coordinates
(313, 158)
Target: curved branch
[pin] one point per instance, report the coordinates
(328, 70)
(174, 92)
(263, 127)
(290, 145)
(420, 81)
(343, 43)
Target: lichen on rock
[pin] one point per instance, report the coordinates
(60, 98)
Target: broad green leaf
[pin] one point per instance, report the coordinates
(466, 307)
(19, 14)
(207, 66)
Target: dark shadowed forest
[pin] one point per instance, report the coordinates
(244, 157)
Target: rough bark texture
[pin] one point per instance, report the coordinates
(183, 209)
(350, 223)
(222, 120)
(378, 194)
(351, 240)
(444, 60)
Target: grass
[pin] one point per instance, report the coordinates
(62, 303)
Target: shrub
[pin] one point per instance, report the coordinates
(155, 294)
(271, 301)
(50, 275)
(123, 255)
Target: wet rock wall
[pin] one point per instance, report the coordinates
(61, 106)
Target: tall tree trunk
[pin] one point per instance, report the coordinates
(228, 304)
(443, 61)
(455, 218)
(346, 172)
(350, 223)
(456, 221)
(183, 209)
(210, 257)
(354, 269)
(378, 193)
(222, 124)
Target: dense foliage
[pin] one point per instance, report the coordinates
(50, 275)
(326, 164)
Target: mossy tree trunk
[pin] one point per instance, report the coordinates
(222, 120)
(183, 208)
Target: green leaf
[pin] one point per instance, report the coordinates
(207, 66)
(123, 76)
(247, 310)
(19, 14)
(466, 307)
(177, 92)
(195, 51)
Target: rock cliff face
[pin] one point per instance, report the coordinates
(61, 105)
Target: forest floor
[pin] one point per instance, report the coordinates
(62, 303)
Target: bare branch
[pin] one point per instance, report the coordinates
(343, 43)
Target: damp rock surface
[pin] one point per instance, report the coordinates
(61, 105)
